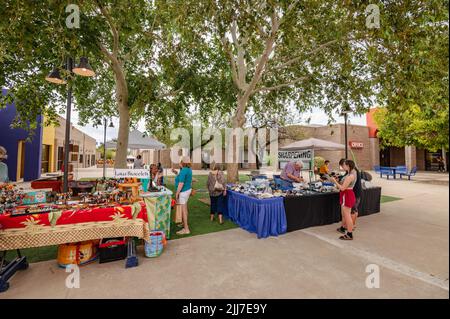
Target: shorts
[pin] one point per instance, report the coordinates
(347, 198)
(355, 208)
(184, 197)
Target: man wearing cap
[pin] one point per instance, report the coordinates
(3, 167)
(292, 172)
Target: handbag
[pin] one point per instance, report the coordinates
(217, 185)
(178, 218)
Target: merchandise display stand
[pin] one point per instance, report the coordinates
(7, 270)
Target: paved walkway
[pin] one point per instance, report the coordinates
(408, 240)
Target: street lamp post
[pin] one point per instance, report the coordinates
(67, 136)
(83, 69)
(104, 144)
(345, 114)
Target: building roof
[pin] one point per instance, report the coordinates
(139, 141)
(314, 143)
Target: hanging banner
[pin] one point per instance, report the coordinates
(131, 173)
(306, 156)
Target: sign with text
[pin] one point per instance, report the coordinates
(354, 144)
(305, 156)
(134, 173)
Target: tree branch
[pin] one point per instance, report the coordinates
(228, 51)
(172, 93)
(113, 28)
(279, 86)
(316, 50)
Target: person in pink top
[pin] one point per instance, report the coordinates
(292, 172)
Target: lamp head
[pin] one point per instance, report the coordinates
(55, 77)
(84, 68)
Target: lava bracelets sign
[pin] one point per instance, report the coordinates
(292, 156)
(134, 173)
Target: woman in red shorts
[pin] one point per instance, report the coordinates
(347, 197)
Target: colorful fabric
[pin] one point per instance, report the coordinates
(40, 235)
(56, 218)
(158, 213)
(72, 226)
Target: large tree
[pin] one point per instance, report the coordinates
(410, 58)
(135, 59)
(307, 53)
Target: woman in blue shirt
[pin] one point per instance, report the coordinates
(3, 167)
(183, 187)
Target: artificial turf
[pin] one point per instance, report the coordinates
(387, 199)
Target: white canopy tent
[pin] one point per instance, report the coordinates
(139, 141)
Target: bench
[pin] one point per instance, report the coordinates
(386, 171)
(412, 172)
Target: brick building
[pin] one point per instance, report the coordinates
(363, 147)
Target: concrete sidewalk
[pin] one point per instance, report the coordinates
(408, 240)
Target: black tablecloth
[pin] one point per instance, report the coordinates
(311, 210)
(324, 209)
(370, 201)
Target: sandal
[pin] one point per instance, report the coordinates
(346, 237)
(183, 232)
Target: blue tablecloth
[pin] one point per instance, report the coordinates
(265, 217)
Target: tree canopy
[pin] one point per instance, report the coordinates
(226, 62)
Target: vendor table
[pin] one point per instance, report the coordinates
(72, 226)
(68, 226)
(370, 201)
(277, 215)
(312, 210)
(265, 217)
(324, 209)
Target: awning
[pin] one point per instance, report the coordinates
(139, 141)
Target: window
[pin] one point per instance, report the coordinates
(74, 157)
(45, 158)
(81, 158)
(60, 157)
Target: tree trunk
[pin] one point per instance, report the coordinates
(124, 117)
(237, 122)
(122, 138)
(444, 158)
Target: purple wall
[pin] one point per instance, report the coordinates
(9, 139)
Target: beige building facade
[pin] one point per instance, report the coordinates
(82, 151)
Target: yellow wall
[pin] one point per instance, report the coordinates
(48, 138)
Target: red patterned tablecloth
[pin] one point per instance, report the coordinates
(72, 225)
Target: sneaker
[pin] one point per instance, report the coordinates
(341, 230)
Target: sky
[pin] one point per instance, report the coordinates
(317, 117)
